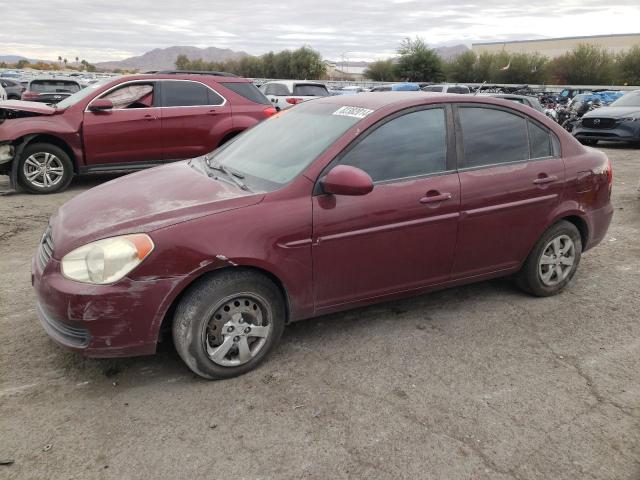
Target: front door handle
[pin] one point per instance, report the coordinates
(435, 197)
(150, 117)
(541, 180)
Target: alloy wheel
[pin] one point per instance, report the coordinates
(557, 260)
(43, 170)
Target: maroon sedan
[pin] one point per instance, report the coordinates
(336, 203)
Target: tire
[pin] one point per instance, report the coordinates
(588, 141)
(59, 169)
(218, 318)
(537, 275)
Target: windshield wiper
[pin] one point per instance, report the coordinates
(236, 177)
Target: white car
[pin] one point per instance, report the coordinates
(447, 88)
(285, 94)
(3, 94)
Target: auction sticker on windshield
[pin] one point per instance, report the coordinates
(356, 112)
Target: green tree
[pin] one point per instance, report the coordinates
(381, 71)
(22, 64)
(586, 64)
(418, 62)
(629, 66)
(462, 68)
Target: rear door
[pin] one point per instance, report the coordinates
(402, 235)
(511, 178)
(129, 134)
(192, 114)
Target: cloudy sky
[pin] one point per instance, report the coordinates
(100, 30)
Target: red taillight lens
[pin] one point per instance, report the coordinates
(269, 111)
(609, 172)
(294, 101)
(27, 95)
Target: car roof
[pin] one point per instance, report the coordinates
(180, 76)
(404, 99)
(291, 83)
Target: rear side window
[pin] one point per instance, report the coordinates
(310, 90)
(407, 146)
(492, 136)
(248, 91)
(54, 86)
(540, 141)
(458, 89)
(188, 94)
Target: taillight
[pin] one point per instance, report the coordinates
(609, 173)
(294, 101)
(27, 95)
(269, 111)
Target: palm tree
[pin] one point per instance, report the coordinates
(60, 60)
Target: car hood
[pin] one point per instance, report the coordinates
(143, 202)
(31, 107)
(613, 112)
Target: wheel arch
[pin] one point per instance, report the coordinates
(165, 324)
(582, 226)
(53, 140)
(228, 136)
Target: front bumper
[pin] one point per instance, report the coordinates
(118, 320)
(622, 132)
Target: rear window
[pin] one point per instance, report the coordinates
(54, 86)
(310, 90)
(248, 91)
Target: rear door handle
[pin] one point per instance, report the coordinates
(435, 197)
(545, 179)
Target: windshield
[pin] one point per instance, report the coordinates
(631, 99)
(85, 92)
(273, 152)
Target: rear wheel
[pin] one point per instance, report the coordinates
(228, 323)
(44, 168)
(553, 261)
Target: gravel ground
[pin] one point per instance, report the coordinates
(477, 382)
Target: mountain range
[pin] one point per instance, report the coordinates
(165, 58)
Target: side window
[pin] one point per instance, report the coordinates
(268, 89)
(184, 94)
(540, 141)
(492, 136)
(410, 145)
(132, 95)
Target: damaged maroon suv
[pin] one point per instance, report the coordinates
(375, 197)
(128, 123)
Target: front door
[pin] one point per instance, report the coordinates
(402, 235)
(129, 133)
(511, 177)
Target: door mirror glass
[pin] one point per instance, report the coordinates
(347, 180)
(100, 105)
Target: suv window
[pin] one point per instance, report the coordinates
(177, 93)
(132, 95)
(248, 91)
(433, 88)
(407, 146)
(310, 90)
(492, 136)
(540, 141)
(54, 86)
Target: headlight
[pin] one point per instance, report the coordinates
(631, 119)
(108, 260)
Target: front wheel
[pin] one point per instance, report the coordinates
(44, 168)
(228, 323)
(553, 261)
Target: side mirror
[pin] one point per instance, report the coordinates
(347, 180)
(101, 105)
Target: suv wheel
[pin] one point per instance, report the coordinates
(44, 168)
(588, 141)
(553, 261)
(227, 323)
